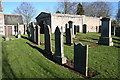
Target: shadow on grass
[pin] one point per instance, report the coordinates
(116, 39)
(42, 51)
(7, 65)
(50, 57)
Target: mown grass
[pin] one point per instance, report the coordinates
(22, 60)
(25, 61)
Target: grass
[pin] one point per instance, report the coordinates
(21, 59)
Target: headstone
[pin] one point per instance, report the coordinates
(34, 28)
(81, 58)
(99, 29)
(32, 31)
(47, 33)
(105, 37)
(25, 28)
(28, 31)
(75, 29)
(16, 31)
(84, 28)
(72, 28)
(38, 34)
(19, 32)
(7, 38)
(69, 39)
(112, 30)
(59, 46)
(96, 28)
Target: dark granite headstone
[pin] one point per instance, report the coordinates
(47, 33)
(59, 47)
(81, 58)
(105, 38)
(84, 28)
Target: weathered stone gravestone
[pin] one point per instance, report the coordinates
(28, 31)
(72, 28)
(112, 30)
(47, 33)
(69, 39)
(81, 58)
(19, 32)
(84, 28)
(38, 34)
(7, 38)
(105, 37)
(34, 27)
(59, 46)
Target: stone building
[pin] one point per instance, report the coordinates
(11, 21)
(55, 19)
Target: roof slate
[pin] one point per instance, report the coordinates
(13, 19)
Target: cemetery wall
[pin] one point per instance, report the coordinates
(91, 23)
(62, 19)
(55, 20)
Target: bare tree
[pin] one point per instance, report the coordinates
(27, 10)
(97, 9)
(67, 7)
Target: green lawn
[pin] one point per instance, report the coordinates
(22, 59)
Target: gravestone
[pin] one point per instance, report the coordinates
(72, 28)
(34, 28)
(7, 38)
(25, 29)
(28, 31)
(69, 39)
(112, 30)
(59, 46)
(99, 29)
(105, 38)
(96, 28)
(47, 33)
(32, 31)
(38, 34)
(81, 58)
(84, 28)
(19, 32)
(75, 29)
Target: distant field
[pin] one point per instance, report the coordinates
(23, 59)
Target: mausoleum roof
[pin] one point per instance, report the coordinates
(11, 19)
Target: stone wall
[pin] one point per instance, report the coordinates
(55, 20)
(61, 20)
(2, 23)
(92, 23)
